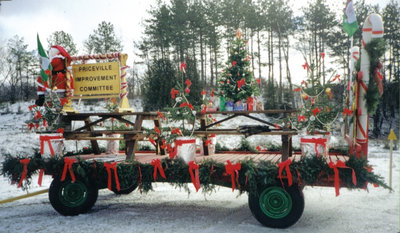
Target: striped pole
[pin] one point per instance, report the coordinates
(373, 28)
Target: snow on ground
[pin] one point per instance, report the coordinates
(167, 209)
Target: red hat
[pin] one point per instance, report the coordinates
(63, 53)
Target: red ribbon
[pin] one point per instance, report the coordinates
(240, 83)
(68, 165)
(112, 166)
(340, 164)
(41, 172)
(161, 115)
(195, 178)
(157, 130)
(305, 66)
(285, 165)
(315, 111)
(317, 141)
(301, 118)
(336, 77)
(183, 66)
(188, 83)
(152, 141)
(45, 138)
(297, 89)
(157, 166)
(347, 111)
(233, 169)
(174, 92)
(24, 163)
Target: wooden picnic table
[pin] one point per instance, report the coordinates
(132, 136)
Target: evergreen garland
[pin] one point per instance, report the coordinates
(375, 49)
(252, 176)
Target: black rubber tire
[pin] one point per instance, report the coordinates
(281, 218)
(124, 191)
(70, 199)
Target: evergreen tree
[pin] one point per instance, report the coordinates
(63, 39)
(237, 81)
(103, 40)
(160, 78)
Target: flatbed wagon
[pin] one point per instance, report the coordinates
(273, 180)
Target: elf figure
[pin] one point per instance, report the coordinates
(57, 82)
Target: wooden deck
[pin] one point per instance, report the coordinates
(221, 157)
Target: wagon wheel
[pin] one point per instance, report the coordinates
(72, 198)
(277, 207)
(125, 190)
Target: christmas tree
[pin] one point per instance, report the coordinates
(237, 81)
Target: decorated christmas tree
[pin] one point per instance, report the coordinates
(319, 108)
(237, 82)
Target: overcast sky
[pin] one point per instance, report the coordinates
(26, 18)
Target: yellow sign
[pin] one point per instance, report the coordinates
(392, 135)
(96, 79)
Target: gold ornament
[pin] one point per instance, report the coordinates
(304, 96)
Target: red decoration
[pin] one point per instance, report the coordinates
(240, 83)
(63, 101)
(46, 138)
(208, 142)
(347, 111)
(212, 92)
(188, 83)
(322, 55)
(285, 165)
(258, 80)
(204, 92)
(277, 126)
(60, 130)
(301, 118)
(297, 89)
(232, 169)
(340, 164)
(315, 111)
(161, 115)
(24, 163)
(234, 63)
(173, 93)
(68, 165)
(108, 167)
(305, 66)
(183, 66)
(157, 167)
(157, 130)
(176, 131)
(336, 77)
(195, 178)
(317, 141)
(152, 141)
(41, 173)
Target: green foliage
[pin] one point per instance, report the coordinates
(219, 148)
(63, 39)
(103, 40)
(245, 146)
(375, 49)
(160, 78)
(238, 68)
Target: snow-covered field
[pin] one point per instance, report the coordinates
(167, 209)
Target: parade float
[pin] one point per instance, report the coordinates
(273, 181)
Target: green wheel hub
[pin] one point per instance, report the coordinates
(275, 202)
(73, 194)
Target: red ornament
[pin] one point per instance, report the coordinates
(305, 66)
(322, 55)
(188, 83)
(234, 63)
(183, 66)
(187, 90)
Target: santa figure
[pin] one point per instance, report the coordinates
(60, 60)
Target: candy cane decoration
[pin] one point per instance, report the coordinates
(373, 28)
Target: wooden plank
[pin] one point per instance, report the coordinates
(235, 132)
(95, 145)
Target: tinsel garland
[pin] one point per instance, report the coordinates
(252, 176)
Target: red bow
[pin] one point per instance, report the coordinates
(277, 126)
(203, 111)
(172, 151)
(260, 149)
(44, 138)
(38, 115)
(188, 83)
(297, 89)
(195, 178)
(173, 93)
(322, 55)
(108, 167)
(183, 66)
(32, 106)
(336, 77)
(347, 111)
(157, 130)
(45, 123)
(240, 83)
(231, 169)
(301, 118)
(305, 66)
(317, 141)
(68, 165)
(24, 163)
(187, 90)
(208, 142)
(234, 63)
(285, 165)
(258, 81)
(315, 111)
(204, 92)
(212, 92)
(30, 125)
(152, 141)
(63, 101)
(60, 130)
(157, 166)
(340, 164)
(176, 131)
(161, 115)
